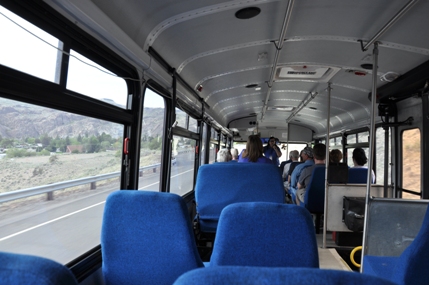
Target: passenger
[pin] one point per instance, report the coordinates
(359, 160)
(335, 156)
(293, 157)
(319, 153)
(224, 155)
(272, 151)
(234, 154)
(307, 157)
(253, 151)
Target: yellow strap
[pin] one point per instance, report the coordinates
(352, 256)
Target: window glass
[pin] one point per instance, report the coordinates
(181, 118)
(203, 144)
(193, 125)
(213, 152)
(27, 48)
(182, 174)
(411, 164)
(151, 141)
(380, 156)
(90, 79)
(363, 137)
(49, 148)
(351, 139)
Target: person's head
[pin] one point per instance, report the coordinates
(319, 152)
(272, 141)
(307, 153)
(234, 153)
(254, 149)
(335, 156)
(294, 155)
(359, 156)
(223, 155)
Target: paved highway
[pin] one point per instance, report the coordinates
(63, 229)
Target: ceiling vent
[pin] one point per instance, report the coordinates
(306, 72)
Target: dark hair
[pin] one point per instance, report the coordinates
(359, 156)
(254, 148)
(319, 151)
(335, 156)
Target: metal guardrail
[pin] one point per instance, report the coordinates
(24, 193)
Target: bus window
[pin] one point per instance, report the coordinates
(363, 137)
(212, 153)
(203, 144)
(193, 125)
(411, 170)
(182, 174)
(88, 78)
(151, 141)
(71, 162)
(181, 118)
(380, 156)
(17, 36)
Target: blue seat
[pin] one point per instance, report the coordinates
(227, 275)
(265, 234)
(19, 269)
(221, 184)
(314, 199)
(358, 175)
(146, 238)
(411, 267)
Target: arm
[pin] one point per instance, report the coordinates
(277, 150)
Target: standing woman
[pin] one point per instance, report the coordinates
(253, 151)
(272, 151)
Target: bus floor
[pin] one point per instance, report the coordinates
(334, 256)
(330, 257)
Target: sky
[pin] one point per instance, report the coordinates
(22, 49)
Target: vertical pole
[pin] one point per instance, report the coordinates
(371, 147)
(328, 130)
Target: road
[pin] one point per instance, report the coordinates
(63, 229)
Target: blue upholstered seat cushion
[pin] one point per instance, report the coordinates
(380, 266)
(146, 238)
(228, 275)
(221, 184)
(19, 269)
(411, 267)
(265, 234)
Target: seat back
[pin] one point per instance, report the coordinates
(358, 175)
(276, 276)
(314, 199)
(219, 185)
(146, 238)
(338, 173)
(412, 266)
(19, 269)
(265, 234)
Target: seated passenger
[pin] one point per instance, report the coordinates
(335, 156)
(234, 154)
(293, 157)
(319, 153)
(338, 172)
(254, 151)
(359, 160)
(307, 158)
(223, 155)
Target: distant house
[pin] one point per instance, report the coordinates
(71, 148)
